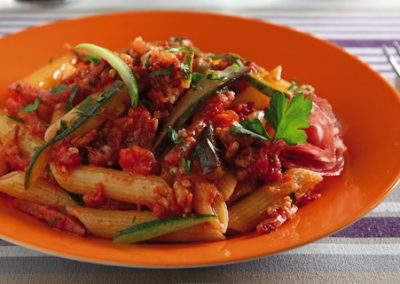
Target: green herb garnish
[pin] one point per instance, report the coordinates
(173, 135)
(162, 72)
(71, 98)
(31, 107)
(186, 165)
(196, 77)
(93, 59)
(59, 88)
(289, 119)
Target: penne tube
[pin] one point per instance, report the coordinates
(118, 185)
(247, 213)
(242, 188)
(27, 142)
(207, 200)
(41, 192)
(53, 73)
(58, 112)
(106, 223)
(226, 185)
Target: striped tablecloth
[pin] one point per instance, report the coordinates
(368, 251)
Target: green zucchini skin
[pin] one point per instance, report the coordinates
(155, 228)
(262, 85)
(196, 97)
(94, 109)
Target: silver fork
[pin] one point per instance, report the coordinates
(392, 60)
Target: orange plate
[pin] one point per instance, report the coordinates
(366, 104)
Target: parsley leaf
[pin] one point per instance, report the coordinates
(252, 127)
(162, 72)
(93, 59)
(196, 77)
(173, 135)
(32, 107)
(289, 119)
(71, 98)
(186, 165)
(59, 88)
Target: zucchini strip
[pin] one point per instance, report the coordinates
(263, 86)
(119, 65)
(86, 122)
(152, 229)
(195, 97)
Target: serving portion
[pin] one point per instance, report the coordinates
(164, 142)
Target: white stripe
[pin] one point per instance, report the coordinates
(353, 36)
(351, 28)
(367, 50)
(334, 22)
(388, 206)
(311, 249)
(346, 249)
(373, 59)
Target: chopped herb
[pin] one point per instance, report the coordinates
(163, 72)
(93, 59)
(173, 135)
(71, 98)
(196, 77)
(85, 106)
(178, 49)
(137, 60)
(17, 119)
(184, 148)
(251, 127)
(289, 119)
(186, 165)
(59, 88)
(184, 67)
(32, 107)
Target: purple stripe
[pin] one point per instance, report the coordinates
(363, 42)
(372, 227)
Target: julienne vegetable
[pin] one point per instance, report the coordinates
(152, 229)
(187, 106)
(215, 146)
(40, 157)
(119, 65)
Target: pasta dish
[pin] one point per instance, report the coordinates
(163, 142)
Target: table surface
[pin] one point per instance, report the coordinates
(368, 251)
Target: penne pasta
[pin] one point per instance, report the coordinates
(51, 74)
(247, 213)
(242, 188)
(41, 192)
(207, 200)
(118, 185)
(27, 142)
(226, 185)
(58, 112)
(106, 223)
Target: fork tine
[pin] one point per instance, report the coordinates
(391, 59)
(397, 47)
